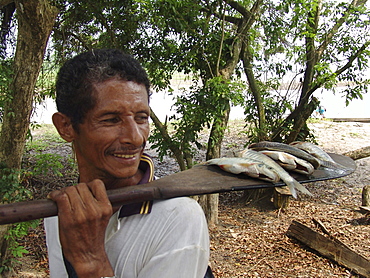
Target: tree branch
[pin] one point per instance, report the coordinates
(71, 34)
(228, 18)
(241, 9)
(335, 28)
(4, 3)
(342, 69)
(166, 137)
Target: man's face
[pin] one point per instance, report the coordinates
(112, 137)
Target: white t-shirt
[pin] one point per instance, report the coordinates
(171, 241)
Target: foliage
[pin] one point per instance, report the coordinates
(314, 44)
(45, 86)
(38, 161)
(47, 163)
(195, 110)
(11, 190)
(198, 37)
(12, 186)
(276, 105)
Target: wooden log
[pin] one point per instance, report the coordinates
(366, 196)
(359, 120)
(331, 248)
(365, 209)
(359, 153)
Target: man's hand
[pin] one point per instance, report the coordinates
(84, 211)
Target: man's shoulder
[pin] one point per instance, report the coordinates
(183, 206)
(180, 203)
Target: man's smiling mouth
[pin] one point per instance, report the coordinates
(124, 155)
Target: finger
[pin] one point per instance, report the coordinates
(98, 189)
(62, 200)
(83, 194)
(69, 199)
(94, 197)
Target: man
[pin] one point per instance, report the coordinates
(103, 109)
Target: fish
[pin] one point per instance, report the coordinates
(290, 162)
(276, 146)
(273, 166)
(250, 167)
(314, 150)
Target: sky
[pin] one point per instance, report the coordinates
(161, 104)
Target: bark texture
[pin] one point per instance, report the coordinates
(35, 22)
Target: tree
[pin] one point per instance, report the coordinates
(35, 21)
(322, 43)
(209, 39)
(319, 45)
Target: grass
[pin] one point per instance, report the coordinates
(42, 137)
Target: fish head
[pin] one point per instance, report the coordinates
(267, 173)
(237, 167)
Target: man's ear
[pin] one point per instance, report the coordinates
(64, 126)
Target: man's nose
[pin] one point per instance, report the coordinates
(131, 133)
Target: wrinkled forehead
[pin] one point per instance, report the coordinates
(115, 82)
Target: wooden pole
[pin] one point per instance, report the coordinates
(199, 180)
(366, 196)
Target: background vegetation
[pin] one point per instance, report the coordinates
(234, 52)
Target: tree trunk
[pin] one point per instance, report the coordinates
(300, 129)
(255, 89)
(167, 138)
(209, 202)
(35, 22)
(217, 133)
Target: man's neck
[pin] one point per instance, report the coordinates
(114, 182)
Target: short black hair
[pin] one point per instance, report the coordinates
(75, 80)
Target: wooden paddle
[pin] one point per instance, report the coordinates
(201, 179)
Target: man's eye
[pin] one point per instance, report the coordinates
(142, 119)
(111, 120)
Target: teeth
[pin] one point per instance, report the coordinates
(124, 155)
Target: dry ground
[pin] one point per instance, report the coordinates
(250, 239)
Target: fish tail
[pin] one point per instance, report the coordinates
(292, 190)
(333, 165)
(296, 185)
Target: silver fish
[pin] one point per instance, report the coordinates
(275, 146)
(290, 162)
(314, 150)
(250, 167)
(273, 166)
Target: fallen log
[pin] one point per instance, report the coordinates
(365, 210)
(359, 153)
(331, 248)
(359, 120)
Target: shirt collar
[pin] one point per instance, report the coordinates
(147, 166)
